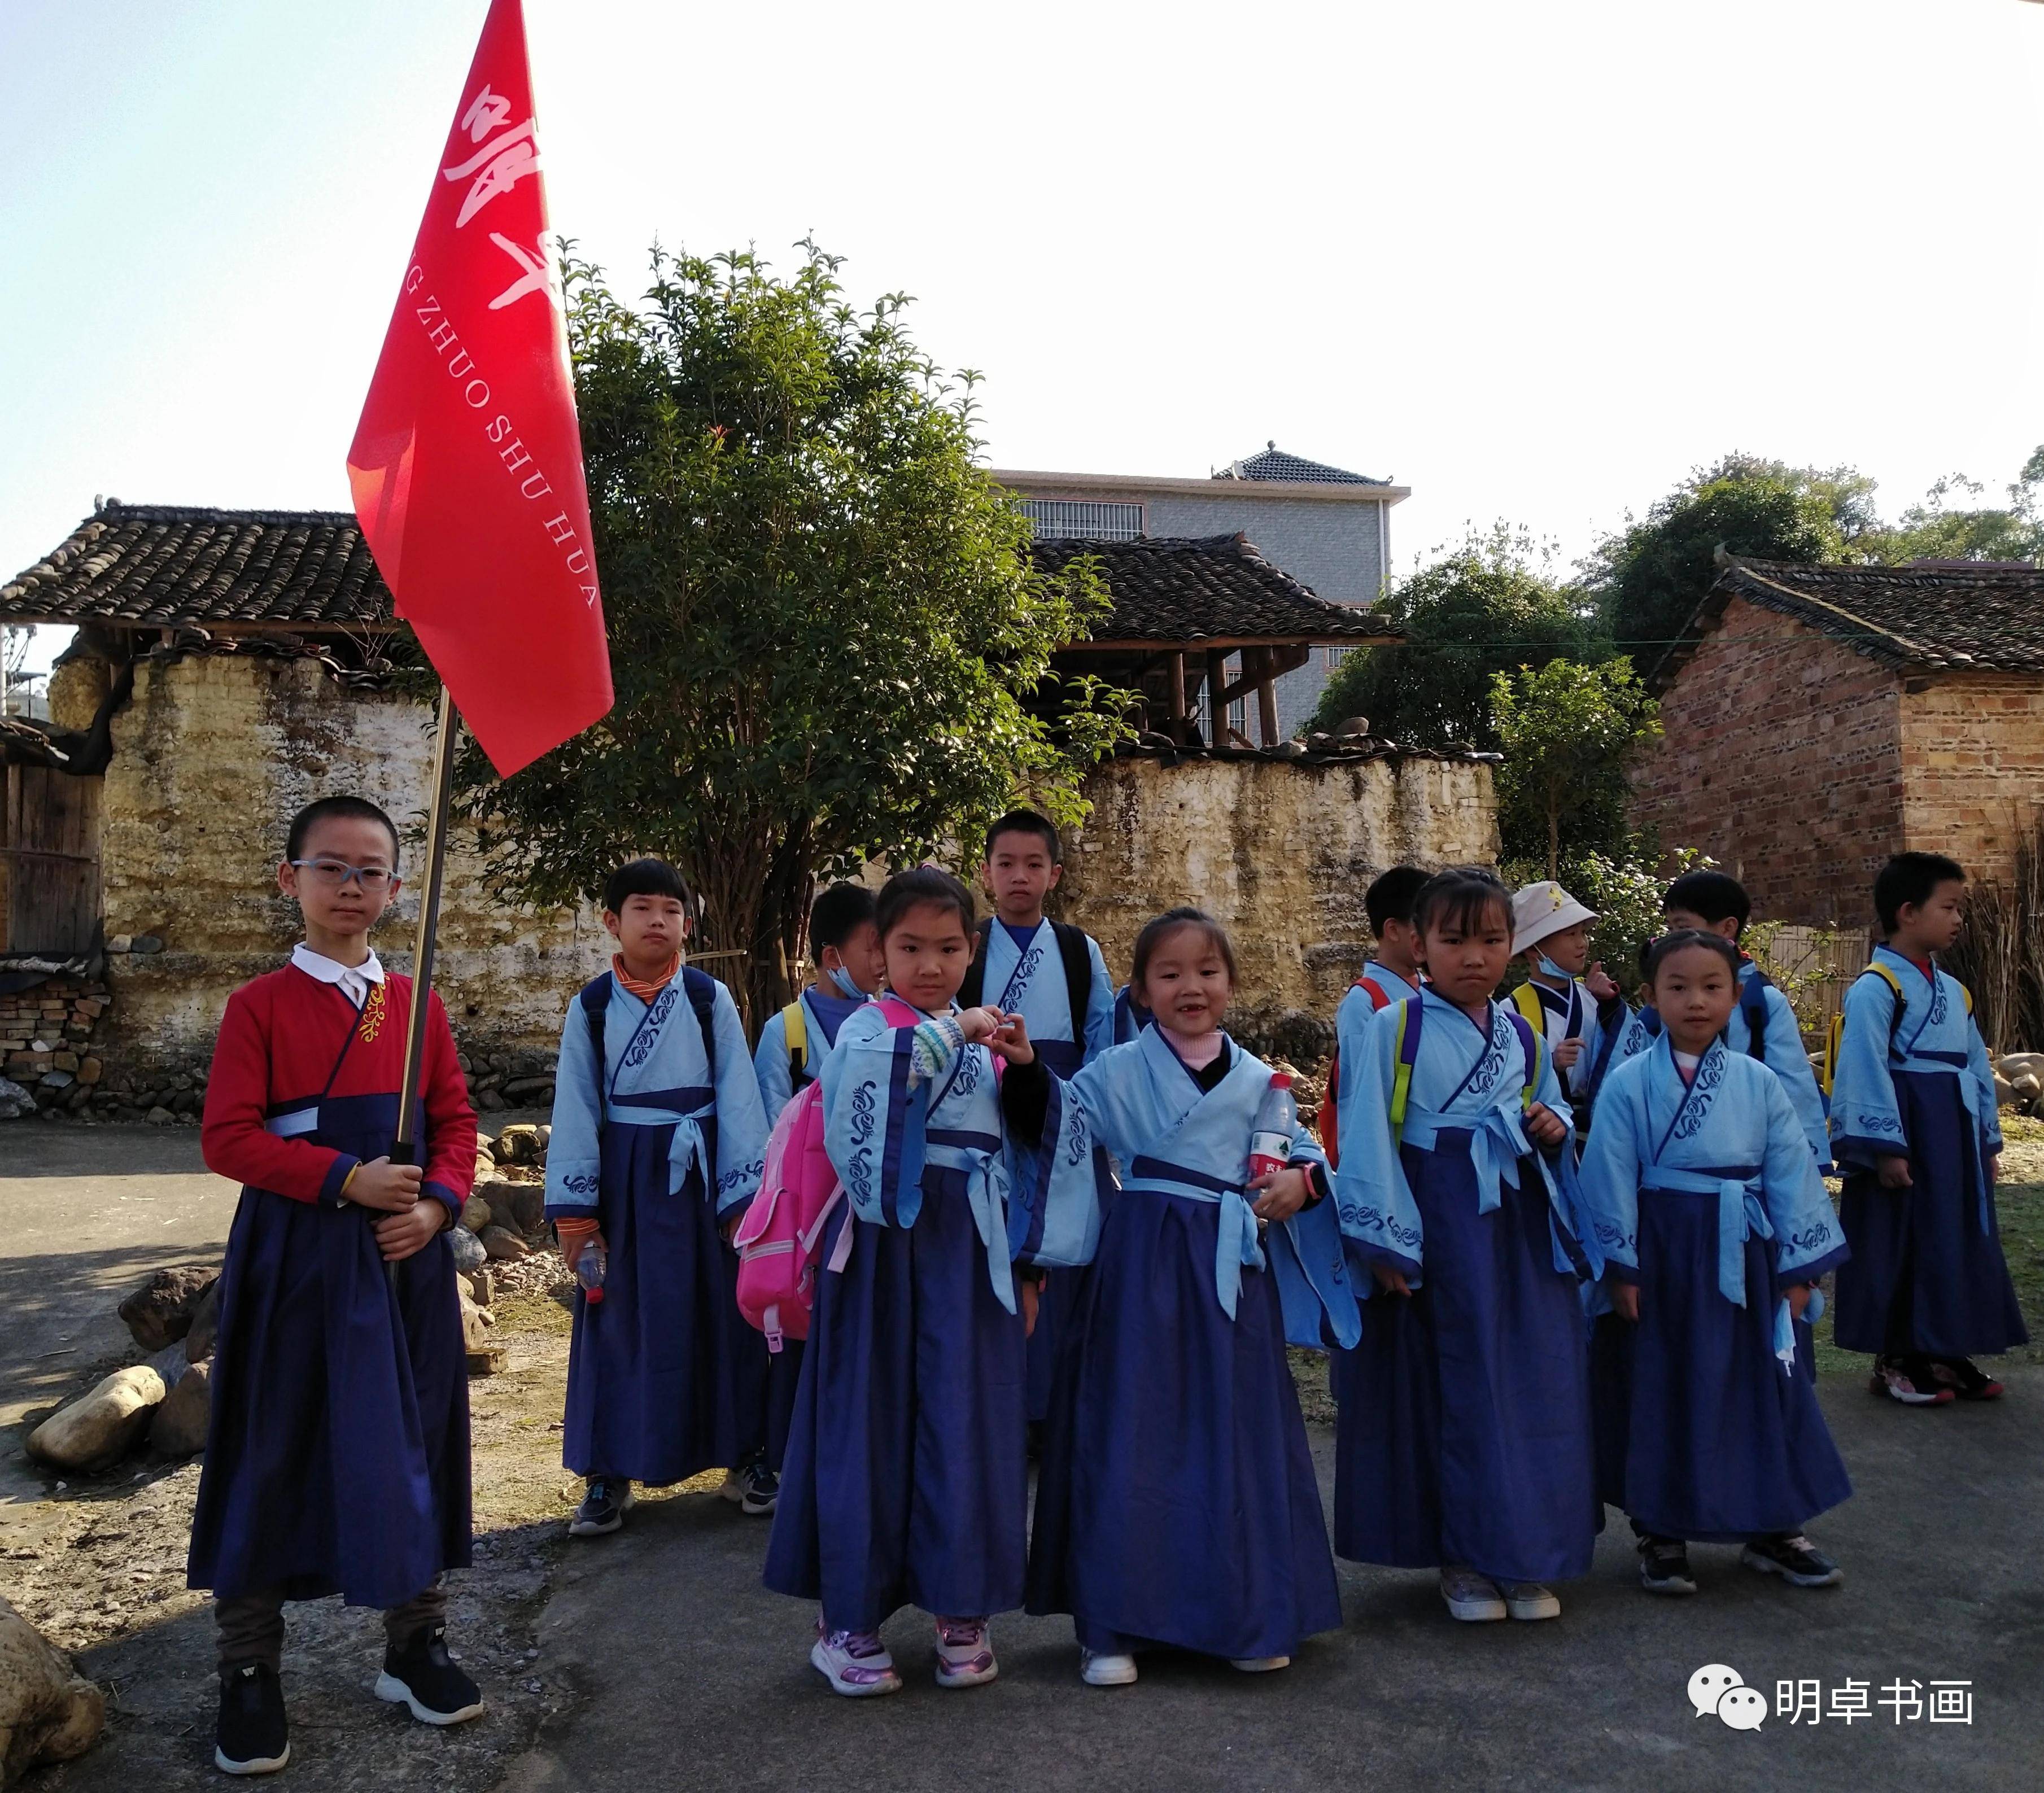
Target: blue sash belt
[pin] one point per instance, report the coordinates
(1237, 1245)
(1740, 1217)
(685, 1111)
(1497, 1143)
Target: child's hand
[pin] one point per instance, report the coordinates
(1032, 1293)
(572, 1248)
(1994, 1170)
(1567, 1053)
(399, 1235)
(1625, 1300)
(1285, 1193)
(1392, 1281)
(394, 1189)
(981, 1024)
(1011, 1041)
(1599, 983)
(1893, 1171)
(1544, 1126)
(1798, 1298)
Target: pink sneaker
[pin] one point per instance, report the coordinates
(855, 1663)
(964, 1653)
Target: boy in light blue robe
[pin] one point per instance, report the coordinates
(1177, 1503)
(1465, 1445)
(849, 973)
(1572, 1003)
(1915, 1132)
(1709, 1211)
(1712, 902)
(1054, 977)
(653, 1160)
(907, 1479)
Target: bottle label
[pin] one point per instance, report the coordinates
(1268, 1151)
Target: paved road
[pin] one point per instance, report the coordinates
(684, 1664)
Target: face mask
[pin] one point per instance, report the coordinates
(1549, 968)
(839, 976)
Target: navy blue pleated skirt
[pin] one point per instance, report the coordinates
(1177, 1503)
(1701, 1435)
(665, 1378)
(906, 1482)
(1923, 1276)
(1464, 1429)
(337, 1459)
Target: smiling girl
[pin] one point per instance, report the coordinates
(1715, 1226)
(1177, 1503)
(906, 1482)
(1464, 1437)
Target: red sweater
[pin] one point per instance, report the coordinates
(295, 1060)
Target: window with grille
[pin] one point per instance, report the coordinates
(1054, 519)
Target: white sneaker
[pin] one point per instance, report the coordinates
(855, 1663)
(964, 1653)
(1472, 1598)
(1259, 1664)
(1105, 1668)
(1528, 1599)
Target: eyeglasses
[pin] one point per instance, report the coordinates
(334, 874)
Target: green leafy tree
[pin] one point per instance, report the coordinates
(1649, 577)
(1568, 733)
(1490, 606)
(826, 633)
(1939, 529)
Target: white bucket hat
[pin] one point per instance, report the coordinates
(1541, 909)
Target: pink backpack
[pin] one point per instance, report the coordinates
(780, 1241)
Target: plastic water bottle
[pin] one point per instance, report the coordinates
(590, 1268)
(1276, 1119)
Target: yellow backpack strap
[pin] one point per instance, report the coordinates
(795, 1026)
(1401, 1082)
(1831, 1043)
(1526, 999)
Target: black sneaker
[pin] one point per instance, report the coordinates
(761, 1489)
(602, 1508)
(1964, 1378)
(423, 1677)
(1664, 1566)
(251, 1736)
(1795, 1558)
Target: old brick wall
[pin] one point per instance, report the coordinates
(1972, 765)
(1783, 759)
(47, 1043)
(1281, 851)
(211, 759)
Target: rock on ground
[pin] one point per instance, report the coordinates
(179, 1426)
(15, 1101)
(205, 1326)
(469, 1255)
(97, 1430)
(160, 1311)
(502, 1243)
(475, 1213)
(48, 1712)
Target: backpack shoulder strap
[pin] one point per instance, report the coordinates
(1072, 948)
(972, 992)
(1532, 1043)
(795, 1034)
(1411, 1013)
(702, 989)
(1526, 1000)
(595, 1000)
(1752, 1001)
(1649, 1019)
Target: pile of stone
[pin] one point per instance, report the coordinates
(2018, 1082)
(498, 1080)
(46, 1055)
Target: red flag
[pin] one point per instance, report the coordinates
(467, 465)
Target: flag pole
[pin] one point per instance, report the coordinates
(404, 1148)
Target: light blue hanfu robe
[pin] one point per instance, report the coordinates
(1573, 1013)
(665, 1378)
(1376, 989)
(907, 1480)
(823, 1012)
(1704, 1195)
(1781, 1050)
(1178, 1502)
(1464, 1432)
(1029, 980)
(1927, 1275)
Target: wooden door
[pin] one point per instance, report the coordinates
(49, 861)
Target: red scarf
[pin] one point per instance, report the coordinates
(645, 989)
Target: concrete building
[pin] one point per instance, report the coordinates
(1328, 528)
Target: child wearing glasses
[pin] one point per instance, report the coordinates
(338, 1460)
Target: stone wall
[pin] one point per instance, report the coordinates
(1281, 851)
(1782, 759)
(46, 1038)
(211, 759)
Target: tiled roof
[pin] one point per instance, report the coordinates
(1950, 617)
(1208, 588)
(165, 565)
(1274, 464)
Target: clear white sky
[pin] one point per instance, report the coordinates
(1534, 261)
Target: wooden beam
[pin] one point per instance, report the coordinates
(1216, 697)
(1266, 699)
(1176, 676)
